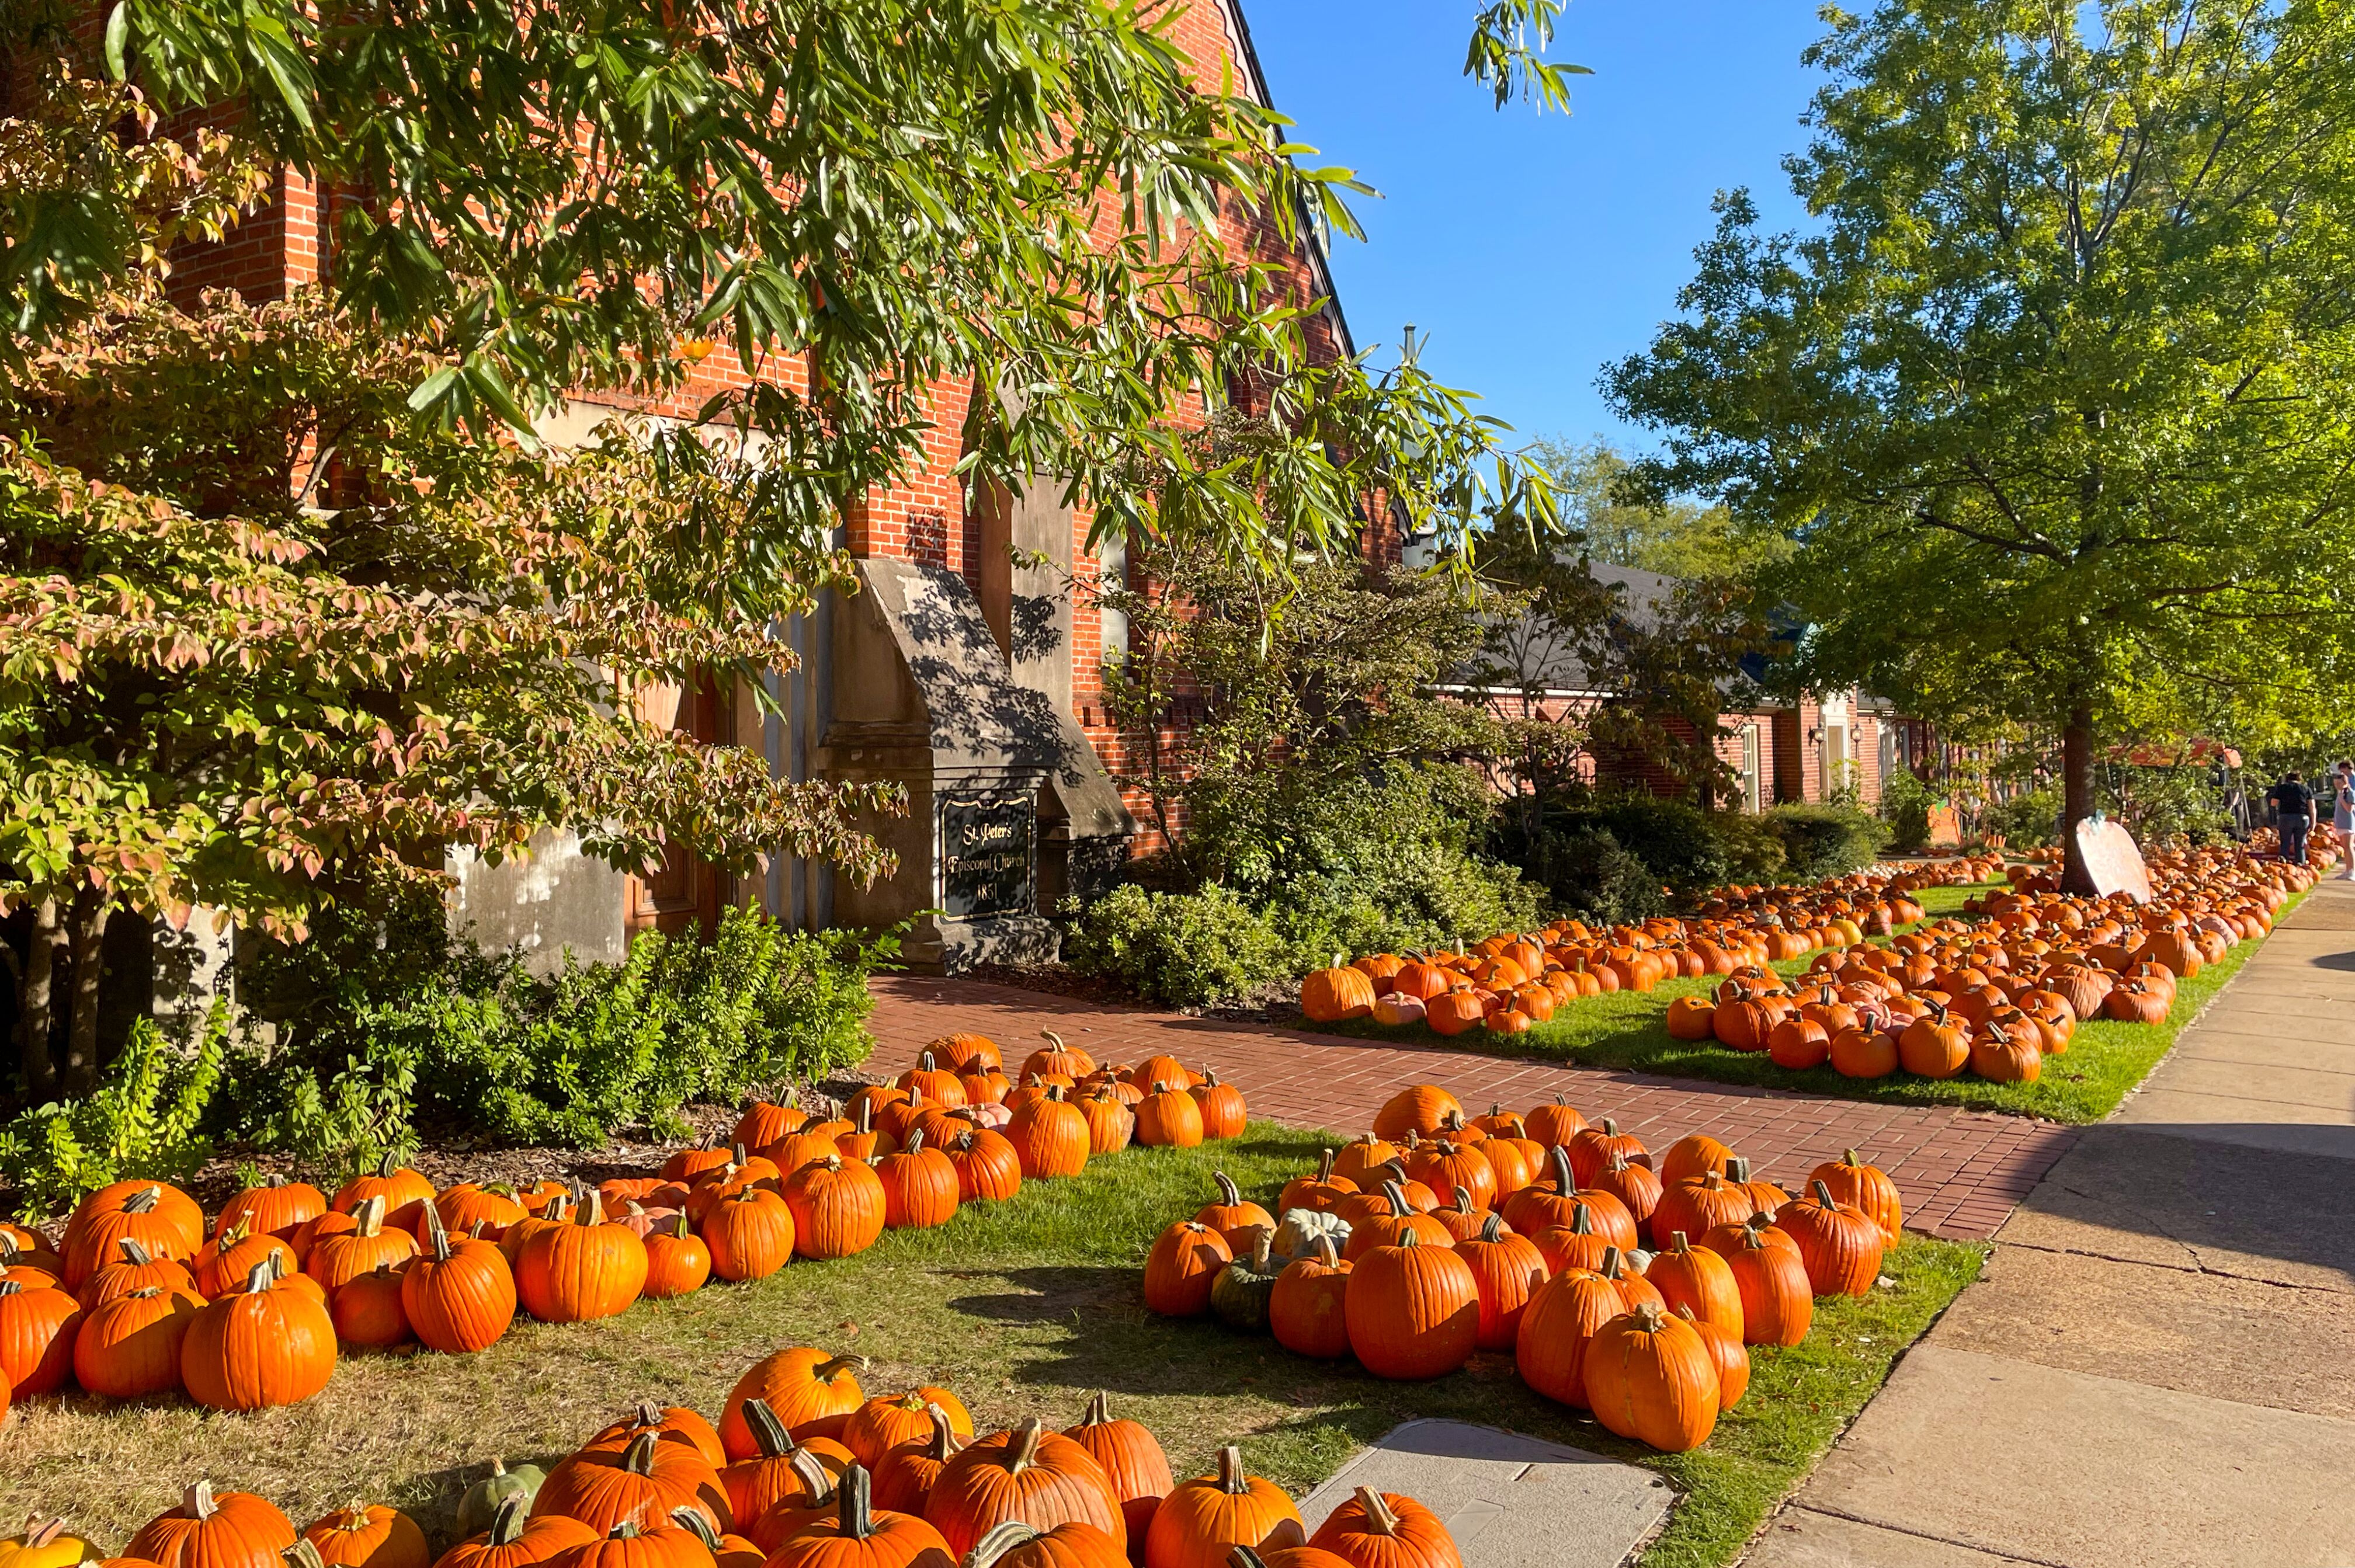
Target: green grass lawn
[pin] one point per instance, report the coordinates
(1626, 1030)
(1023, 1307)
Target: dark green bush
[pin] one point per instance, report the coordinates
(475, 1044)
(1182, 949)
(1580, 853)
(2028, 820)
(1367, 864)
(1905, 802)
(1821, 841)
(1592, 877)
(143, 1120)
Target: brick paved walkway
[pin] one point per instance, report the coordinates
(1961, 1172)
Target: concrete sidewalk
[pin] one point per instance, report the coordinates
(2159, 1366)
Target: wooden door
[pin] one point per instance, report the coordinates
(684, 893)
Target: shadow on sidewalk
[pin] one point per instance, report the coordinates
(2208, 1200)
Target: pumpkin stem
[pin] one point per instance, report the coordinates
(1464, 1200)
(1330, 1254)
(1678, 1243)
(1381, 1518)
(1325, 1166)
(1395, 1196)
(1098, 1412)
(692, 1520)
(1051, 1038)
(867, 1109)
(507, 1525)
(827, 1370)
(369, 1218)
(1022, 1452)
(387, 1165)
(1232, 1479)
(303, 1554)
(1001, 1540)
(768, 1433)
(945, 1441)
(143, 1201)
(197, 1503)
(1492, 1228)
(1609, 1269)
(1737, 1169)
(437, 1235)
(133, 1252)
(262, 1276)
(1228, 1193)
(1564, 1182)
(638, 1458)
(815, 1482)
(36, 1535)
(1824, 1196)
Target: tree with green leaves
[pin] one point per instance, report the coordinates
(1670, 656)
(214, 690)
(288, 593)
(1602, 506)
(2053, 395)
(868, 200)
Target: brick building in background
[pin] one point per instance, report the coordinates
(972, 681)
(1779, 753)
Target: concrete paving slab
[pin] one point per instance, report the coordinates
(2059, 1467)
(1510, 1501)
(2320, 1139)
(2156, 1102)
(2261, 1001)
(2332, 1092)
(2197, 1333)
(2145, 1195)
(2270, 1048)
(1802, 1537)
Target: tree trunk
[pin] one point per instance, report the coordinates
(2076, 797)
(36, 1019)
(91, 910)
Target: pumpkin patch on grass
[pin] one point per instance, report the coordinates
(256, 1314)
(1669, 1284)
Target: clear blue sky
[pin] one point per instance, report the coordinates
(1533, 249)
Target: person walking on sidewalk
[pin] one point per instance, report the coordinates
(2293, 814)
(2342, 816)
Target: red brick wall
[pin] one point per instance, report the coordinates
(924, 518)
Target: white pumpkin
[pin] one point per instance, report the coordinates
(1295, 1237)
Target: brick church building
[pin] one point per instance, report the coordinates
(969, 679)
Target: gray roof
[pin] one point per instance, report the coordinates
(1548, 657)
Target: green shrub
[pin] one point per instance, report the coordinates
(2028, 820)
(1582, 854)
(1592, 878)
(477, 1045)
(1182, 949)
(1821, 841)
(1905, 802)
(143, 1121)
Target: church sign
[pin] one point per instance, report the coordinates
(989, 855)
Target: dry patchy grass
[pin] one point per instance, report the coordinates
(1022, 1307)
